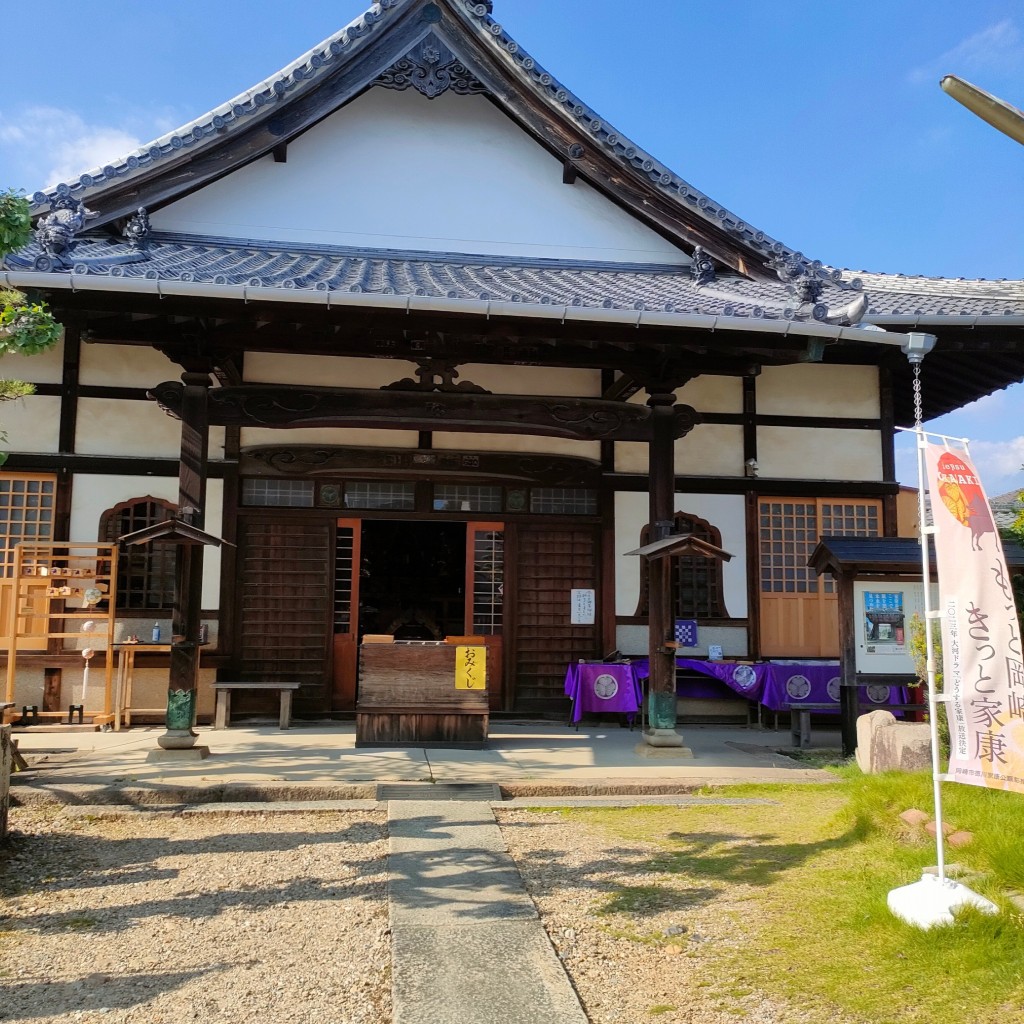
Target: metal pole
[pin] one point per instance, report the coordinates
(915, 354)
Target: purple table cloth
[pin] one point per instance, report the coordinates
(819, 683)
(746, 680)
(600, 689)
(776, 684)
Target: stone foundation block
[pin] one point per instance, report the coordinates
(886, 745)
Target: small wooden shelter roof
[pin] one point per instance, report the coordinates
(896, 556)
(173, 531)
(681, 544)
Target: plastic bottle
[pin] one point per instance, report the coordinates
(156, 632)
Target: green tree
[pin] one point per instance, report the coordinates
(919, 653)
(1016, 532)
(26, 327)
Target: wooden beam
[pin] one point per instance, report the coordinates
(274, 405)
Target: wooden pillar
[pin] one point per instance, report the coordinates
(188, 579)
(848, 704)
(661, 475)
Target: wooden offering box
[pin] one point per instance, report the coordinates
(408, 697)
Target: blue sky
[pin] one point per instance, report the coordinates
(822, 123)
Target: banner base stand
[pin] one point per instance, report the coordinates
(932, 901)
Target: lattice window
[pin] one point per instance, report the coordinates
(26, 514)
(488, 581)
(398, 496)
(579, 501)
(278, 493)
(696, 583)
(789, 531)
(466, 498)
(145, 573)
(344, 553)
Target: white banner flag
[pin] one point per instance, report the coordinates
(983, 671)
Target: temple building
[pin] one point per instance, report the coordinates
(432, 347)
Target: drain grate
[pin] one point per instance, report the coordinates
(481, 792)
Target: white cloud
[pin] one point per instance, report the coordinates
(41, 146)
(994, 50)
(999, 464)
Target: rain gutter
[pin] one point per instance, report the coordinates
(486, 308)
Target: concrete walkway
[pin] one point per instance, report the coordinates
(319, 761)
(467, 944)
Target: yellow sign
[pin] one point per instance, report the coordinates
(470, 668)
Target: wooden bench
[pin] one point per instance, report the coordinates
(222, 716)
(800, 717)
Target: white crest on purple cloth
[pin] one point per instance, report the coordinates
(744, 676)
(878, 693)
(833, 688)
(798, 687)
(606, 686)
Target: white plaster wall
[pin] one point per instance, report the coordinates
(517, 443)
(125, 366)
(634, 640)
(93, 494)
(819, 454)
(713, 394)
(710, 449)
(533, 380)
(45, 368)
(332, 371)
(723, 511)
(149, 688)
(107, 426)
(324, 371)
(816, 389)
(251, 436)
(32, 424)
(396, 170)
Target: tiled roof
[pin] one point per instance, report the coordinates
(1005, 508)
(661, 287)
(897, 554)
(304, 74)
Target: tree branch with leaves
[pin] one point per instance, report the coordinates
(26, 327)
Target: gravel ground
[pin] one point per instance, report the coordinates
(154, 919)
(653, 960)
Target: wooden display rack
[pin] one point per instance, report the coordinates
(47, 577)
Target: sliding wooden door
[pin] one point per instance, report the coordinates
(551, 562)
(285, 606)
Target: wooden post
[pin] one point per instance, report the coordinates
(661, 472)
(188, 566)
(6, 767)
(848, 704)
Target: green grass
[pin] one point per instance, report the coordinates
(818, 864)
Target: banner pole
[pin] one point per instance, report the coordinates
(924, 533)
(934, 898)
(915, 356)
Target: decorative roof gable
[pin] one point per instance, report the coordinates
(432, 46)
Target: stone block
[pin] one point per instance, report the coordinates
(947, 829)
(914, 817)
(886, 745)
(960, 838)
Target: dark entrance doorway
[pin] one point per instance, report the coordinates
(412, 579)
